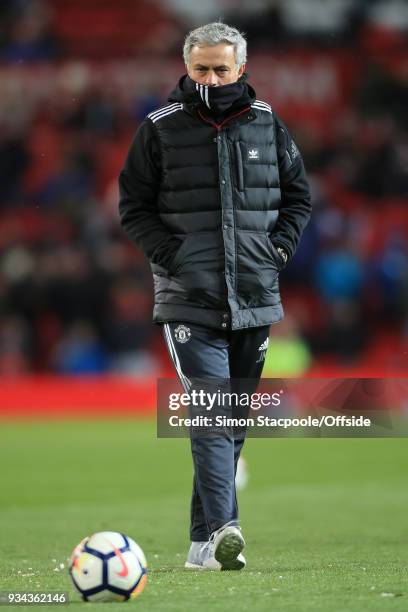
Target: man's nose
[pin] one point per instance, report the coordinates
(211, 79)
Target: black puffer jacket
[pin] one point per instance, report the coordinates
(209, 203)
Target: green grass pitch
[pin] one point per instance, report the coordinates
(325, 520)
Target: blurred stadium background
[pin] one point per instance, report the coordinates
(76, 79)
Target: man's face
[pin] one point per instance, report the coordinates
(214, 66)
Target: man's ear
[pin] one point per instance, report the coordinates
(241, 70)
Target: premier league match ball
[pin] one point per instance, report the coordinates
(108, 566)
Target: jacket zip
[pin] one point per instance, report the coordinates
(239, 166)
(219, 127)
(233, 179)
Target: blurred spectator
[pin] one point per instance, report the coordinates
(339, 275)
(14, 160)
(15, 347)
(262, 23)
(324, 20)
(384, 93)
(127, 327)
(392, 276)
(195, 13)
(79, 351)
(390, 14)
(72, 183)
(344, 335)
(29, 36)
(381, 146)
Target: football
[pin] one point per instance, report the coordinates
(108, 566)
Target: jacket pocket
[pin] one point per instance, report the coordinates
(199, 252)
(198, 272)
(239, 166)
(178, 257)
(278, 259)
(257, 271)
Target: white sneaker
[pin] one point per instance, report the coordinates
(228, 545)
(201, 557)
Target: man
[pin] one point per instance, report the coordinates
(214, 192)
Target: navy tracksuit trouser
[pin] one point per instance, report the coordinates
(200, 353)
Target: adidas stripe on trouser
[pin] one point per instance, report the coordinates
(209, 353)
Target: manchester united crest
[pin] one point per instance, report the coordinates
(182, 334)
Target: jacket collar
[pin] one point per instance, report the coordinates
(189, 95)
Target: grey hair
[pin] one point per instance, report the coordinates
(213, 34)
